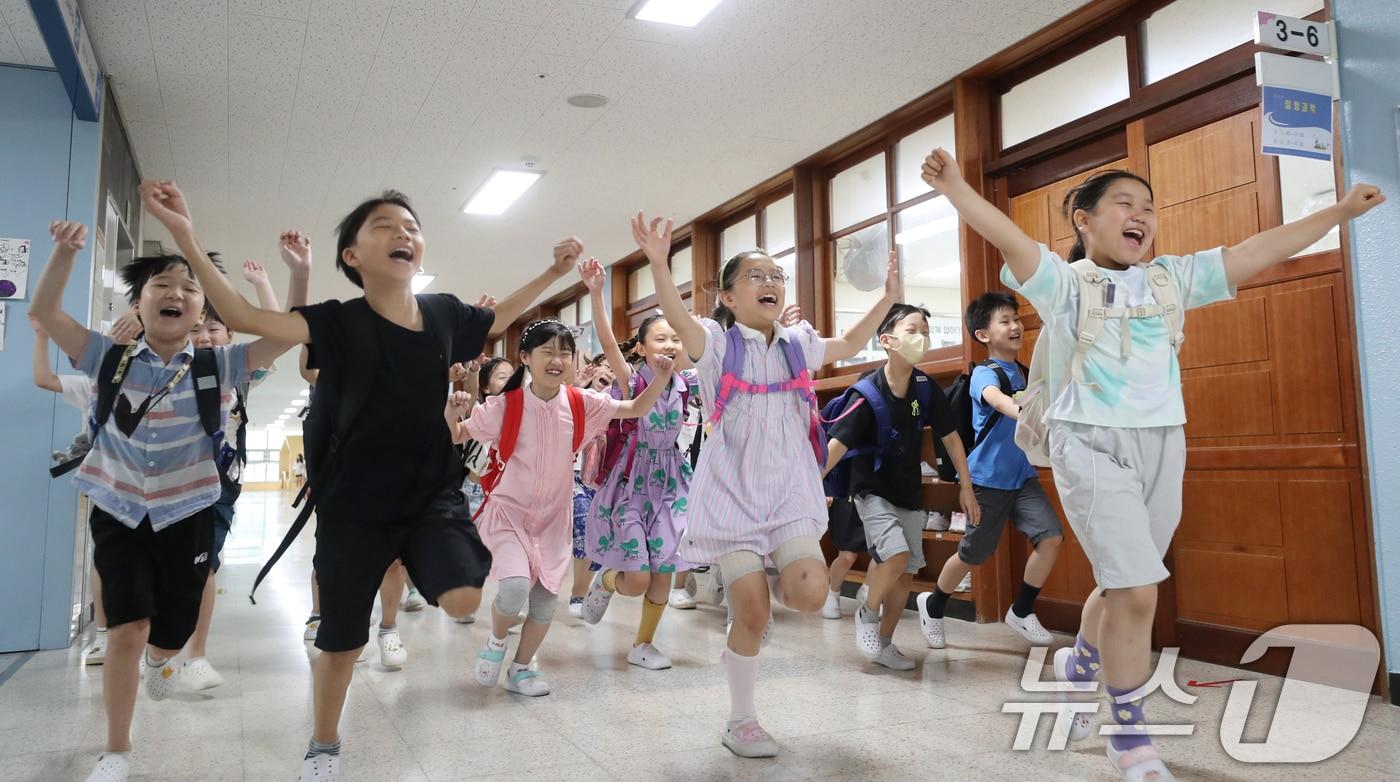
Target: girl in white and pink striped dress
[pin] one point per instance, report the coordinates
(757, 490)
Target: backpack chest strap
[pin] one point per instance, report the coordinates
(1095, 311)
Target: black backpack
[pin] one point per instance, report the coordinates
(960, 400)
(339, 397)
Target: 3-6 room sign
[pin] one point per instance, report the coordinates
(1277, 31)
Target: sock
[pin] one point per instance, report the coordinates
(742, 672)
(651, 617)
(383, 630)
(317, 748)
(886, 640)
(155, 663)
(495, 644)
(516, 668)
(1128, 712)
(1025, 600)
(610, 580)
(866, 615)
(938, 603)
(1085, 667)
(103, 630)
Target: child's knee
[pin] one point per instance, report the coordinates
(845, 558)
(511, 594)
(542, 603)
(1049, 546)
(752, 615)
(129, 635)
(1138, 601)
(460, 602)
(804, 587)
(632, 584)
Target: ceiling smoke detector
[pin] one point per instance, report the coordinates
(588, 100)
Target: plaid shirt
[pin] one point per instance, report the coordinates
(166, 469)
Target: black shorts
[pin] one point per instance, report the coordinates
(440, 548)
(847, 532)
(153, 575)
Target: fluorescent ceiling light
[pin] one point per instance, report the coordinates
(931, 228)
(686, 13)
(283, 417)
(501, 190)
(289, 411)
(420, 281)
(306, 392)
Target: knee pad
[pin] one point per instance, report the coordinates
(737, 564)
(511, 595)
(542, 603)
(804, 547)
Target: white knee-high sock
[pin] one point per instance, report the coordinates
(743, 671)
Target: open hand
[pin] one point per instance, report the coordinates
(940, 171)
(457, 373)
(592, 273)
(967, 498)
(791, 316)
(1360, 200)
(653, 238)
(486, 302)
(566, 255)
(254, 272)
(894, 291)
(296, 250)
(68, 234)
(164, 201)
(127, 328)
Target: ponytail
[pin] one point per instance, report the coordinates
(1086, 195)
(728, 272)
(516, 380)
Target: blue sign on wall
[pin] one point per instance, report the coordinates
(1296, 123)
(70, 48)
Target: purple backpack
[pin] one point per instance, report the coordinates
(731, 381)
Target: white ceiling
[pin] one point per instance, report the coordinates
(20, 40)
(275, 114)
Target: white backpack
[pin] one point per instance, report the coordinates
(1045, 383)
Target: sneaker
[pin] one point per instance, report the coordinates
(527, 682)
(933, 628)
(868, 634)
(646, 656)
(965, 585)
(576, 607)
(748, 740)
(937, 522)
(710, 589)
(392, 655)
(320, 768)
(414, 602)
(160, 679)
(1083, 723)
(97, 651)
(466, 620)
(892, 658)
(312, 626)
(595, 603)
(682, 600)
(832, 608)
(198, 674)
(111, 767)
(488, 665)
(1029, 627)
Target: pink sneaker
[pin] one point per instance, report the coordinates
(748, 740)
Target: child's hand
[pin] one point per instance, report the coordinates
(894, 291)
(1360, 200)
(457, 404)
(663, 365)
(791, 316)
(457, 373)
(654, 239)
(254, 272)
(592, 273)
(486, 302)
(940, 171)
(68, 234)
(126, 329)
(587, 375)
(164, 201)
(296, 251)
(566, 254)
(967, 498)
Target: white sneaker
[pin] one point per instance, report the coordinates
(488, 665)
(868, 636)
(748, 740)
(965, 585)
(413, 602)
(933, 628)
(312, 626)
(1029, 627)
(710, 588)
(392, 655)
(160, 679)
(198, 674)
(681, 600)
(892, 658)
(1083, 723)
(111, 767)
(648, 657)
(576, 608)
(937, 522)
(320, 768)
(97, 650)
(832, 608)
(527, 682)
(595, 603)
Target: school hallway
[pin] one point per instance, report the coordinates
(835, 716)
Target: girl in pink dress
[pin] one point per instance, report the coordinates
(526, 520)
(757, 490)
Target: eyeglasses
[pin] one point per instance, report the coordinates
(755, 279)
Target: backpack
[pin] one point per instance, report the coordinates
(731, 380)
(960, 400)
(510, 432)
(1045, 383)
(337, 401)
(887, 439)
(620, 431)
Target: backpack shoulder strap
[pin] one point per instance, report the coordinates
(510, 425)
(1093, 312)
(1164, 291)
(1003, 379)
(207, 392)
(577, 412)
(107, 386)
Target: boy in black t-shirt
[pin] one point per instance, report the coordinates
(395, 491)
(889, 499)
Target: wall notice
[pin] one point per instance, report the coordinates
(14, 268)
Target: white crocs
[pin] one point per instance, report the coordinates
(1029, 628)
(595, 603)
(198, 675)
(1139, 764)
(868, 634)
(320, 768)
(161, 679)
(1083, 722)
(933, 628)
(111, 767)
(392, 654)
(892, 658)
(831, 609)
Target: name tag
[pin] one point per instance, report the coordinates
(205, 383)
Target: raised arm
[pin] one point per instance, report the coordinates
(1268, 248)
(593, 276)
(164, 201)
(636, 408)
(566, 255)
(655, 241)
(68, 238)
(296, 253)
(1021, 252)
(256, 276)
(44, 376)
(853, 341)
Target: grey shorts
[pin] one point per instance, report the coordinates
(1121, 491)
(1030, 511)
(891, 530)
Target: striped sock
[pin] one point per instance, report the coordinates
(318, 748)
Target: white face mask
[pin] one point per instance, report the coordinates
(911, 347)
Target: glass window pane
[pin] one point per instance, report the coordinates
(738, 237)
(275, 439)
(640, 284)
(1308, 186)
(788, 263)
(257, 439)
(682, 270)
(585, 310)
(263, 472)
(858, 193)
(932, 264)
(1094, 80)
(1188, 32)
(568, 314)
(780, 225)
(498, 348)
(861, 260)
(909, 155)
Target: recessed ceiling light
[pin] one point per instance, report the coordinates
(420, 281)
(588, 100)
(500, 190)
(686, 13)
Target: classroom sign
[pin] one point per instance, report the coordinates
(1296, 123)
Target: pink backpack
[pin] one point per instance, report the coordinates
(731, 381)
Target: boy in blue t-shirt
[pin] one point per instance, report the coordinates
(1005, 482)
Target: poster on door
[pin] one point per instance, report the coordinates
(1296, 123)
(14, 268)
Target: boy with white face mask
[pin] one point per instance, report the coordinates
(886, 485)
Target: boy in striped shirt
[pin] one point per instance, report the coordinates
(151, 474)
